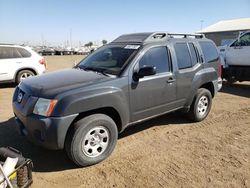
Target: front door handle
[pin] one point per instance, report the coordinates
(170, 80)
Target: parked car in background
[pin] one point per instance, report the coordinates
(63, 51)
(81, 51)
(236, 59)
(18, 63)
(44, 50)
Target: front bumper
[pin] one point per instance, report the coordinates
(49, 132)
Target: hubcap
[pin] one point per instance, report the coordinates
(202, 105)
(95, 141)
(25, 75)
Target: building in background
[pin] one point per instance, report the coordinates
(224, 32)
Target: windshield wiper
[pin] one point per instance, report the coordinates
(94, 69)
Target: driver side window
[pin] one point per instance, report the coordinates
(157, 57)
(245, 40)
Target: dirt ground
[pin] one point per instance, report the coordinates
(168, 151)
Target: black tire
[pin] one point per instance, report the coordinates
(195, 113)
(76, 139)
(231, 80)
(21, 75)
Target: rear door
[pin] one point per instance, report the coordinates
(188, 64)
(239, 52)
(154, 94)
(9, 58)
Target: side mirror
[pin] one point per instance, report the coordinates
(144, 71)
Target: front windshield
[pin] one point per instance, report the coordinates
(109, 59)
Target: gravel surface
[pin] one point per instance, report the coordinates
(168, 151)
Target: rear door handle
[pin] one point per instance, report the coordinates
(170, 80)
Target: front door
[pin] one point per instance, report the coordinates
(153, 95)
(239, 52)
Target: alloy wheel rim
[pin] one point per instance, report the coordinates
(25, 75)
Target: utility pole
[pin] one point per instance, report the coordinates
(42, 39)
(70, 34)
(202, 21)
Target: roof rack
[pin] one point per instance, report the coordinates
(163, 36)
(140, 38)
(185, 35)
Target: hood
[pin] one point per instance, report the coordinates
(51, 84)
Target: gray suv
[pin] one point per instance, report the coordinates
(134, 78)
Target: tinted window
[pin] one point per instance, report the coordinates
(193, 52)
(23, 52)
(183, 55)
(156, 57)
(209, 51)
(16, 53)
(9, 52)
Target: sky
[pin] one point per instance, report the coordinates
(56, 22)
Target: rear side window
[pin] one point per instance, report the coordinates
(209, 51)
(23, 52)
(9, 53)
(183, 55)
(193, 53)
(156, 57)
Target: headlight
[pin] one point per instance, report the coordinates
(44, 107)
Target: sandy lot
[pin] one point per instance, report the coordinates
(168, 151)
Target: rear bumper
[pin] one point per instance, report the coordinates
(219, 83)
(49, 132)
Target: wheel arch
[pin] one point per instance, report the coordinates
(208, 85)
(109, 111)
(24, 68)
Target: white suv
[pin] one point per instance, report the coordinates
(19, 62)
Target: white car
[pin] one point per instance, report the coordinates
(19, 62)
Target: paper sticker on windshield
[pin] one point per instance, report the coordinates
(134, 47)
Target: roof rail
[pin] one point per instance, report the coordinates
(185, 35)
(139, 38)
(164, 35)
(158, 35)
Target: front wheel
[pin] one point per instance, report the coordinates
(201, 105)
(91, 139)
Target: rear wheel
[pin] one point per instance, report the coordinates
(24, 74)
(231, 80)
(91, 139)
(201, 105)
